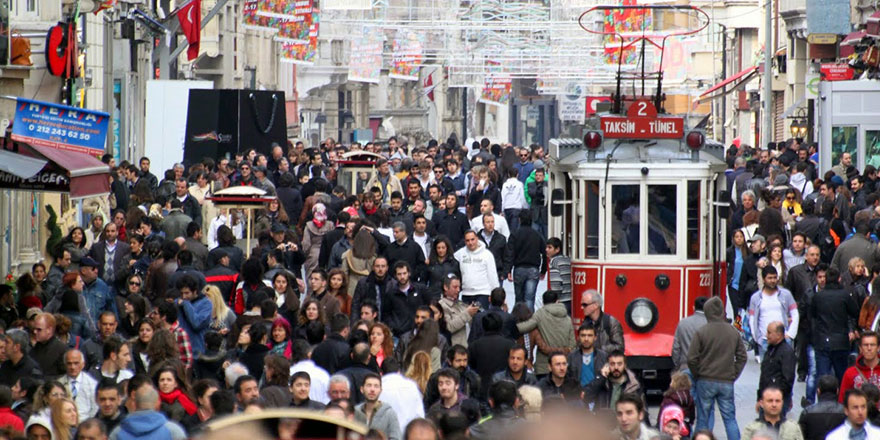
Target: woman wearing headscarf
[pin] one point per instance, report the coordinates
(313, 235)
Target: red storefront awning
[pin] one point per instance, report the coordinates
(736, 80)
(744, 73)
(61, 171)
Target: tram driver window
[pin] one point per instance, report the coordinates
(625, 200)
(662, 204)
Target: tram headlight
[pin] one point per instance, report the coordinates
(642, 315)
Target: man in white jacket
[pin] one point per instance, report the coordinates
(478, 272)
(488, 208)
(513, 199)
(856, 426)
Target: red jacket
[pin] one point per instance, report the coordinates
(8, 418)
(857, 375)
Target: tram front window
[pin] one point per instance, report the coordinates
(625, 234)
(662, 219)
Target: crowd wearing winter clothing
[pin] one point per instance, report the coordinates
(363, 302)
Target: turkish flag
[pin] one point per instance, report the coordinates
(190, 17)
(428, 87)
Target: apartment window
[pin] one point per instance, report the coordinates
(25, 8)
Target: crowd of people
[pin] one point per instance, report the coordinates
(385, 306)
(802, 280)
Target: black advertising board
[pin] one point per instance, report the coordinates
(221, 123)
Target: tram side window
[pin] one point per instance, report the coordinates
(625, 200)
(693, 219)
(592, 219)
(662, 205)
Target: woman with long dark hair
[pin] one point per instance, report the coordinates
(338, 287)
(441, 262)
(357, 262)
(75, 243)
(162, 350)
(427, 340)
(139, 354)
(286, 296)
(741, 272)
(254, 349)
(174, 393)
(136, 308)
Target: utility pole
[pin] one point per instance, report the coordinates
(767, 125)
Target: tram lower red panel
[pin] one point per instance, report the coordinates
(673, 302)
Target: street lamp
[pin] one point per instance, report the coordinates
(799, 125)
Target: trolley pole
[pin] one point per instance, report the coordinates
(767, 125)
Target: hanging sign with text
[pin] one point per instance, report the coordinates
(641, 122)
(59, 126)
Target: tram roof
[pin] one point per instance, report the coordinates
(571, 153)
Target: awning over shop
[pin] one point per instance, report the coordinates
(36, 168)
(736, 80)
(853, 38)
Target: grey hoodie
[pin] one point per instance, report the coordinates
(717, 351)
(554, 324)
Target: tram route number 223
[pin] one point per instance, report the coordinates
(705, 279)
(580, 278)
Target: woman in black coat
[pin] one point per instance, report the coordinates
(440, 264)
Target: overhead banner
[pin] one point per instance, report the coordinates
(304, 54)
(624, 21)
(346, 5)
(497, 87)
(365, 64)
(294, 20)
(250, 19)
(406, 56)
(677, 58)
(60, 126)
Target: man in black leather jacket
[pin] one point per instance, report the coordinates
(819, 419)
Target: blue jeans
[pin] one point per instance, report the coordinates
(711, 421)
(512, 217)
(811, 374)
(709, 392)
(525, 284)
(831, 362)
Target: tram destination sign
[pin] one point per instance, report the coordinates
(641, 122)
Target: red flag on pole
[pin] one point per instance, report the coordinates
(190, 17)
(428, 87)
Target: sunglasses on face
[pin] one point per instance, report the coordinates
(134, 283)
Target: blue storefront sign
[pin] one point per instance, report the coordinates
(59, 126)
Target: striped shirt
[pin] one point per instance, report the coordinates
(560, 276)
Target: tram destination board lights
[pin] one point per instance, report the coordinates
(592, 140)
(695, 140)
(641, 122)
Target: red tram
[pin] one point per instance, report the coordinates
(638, 206)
